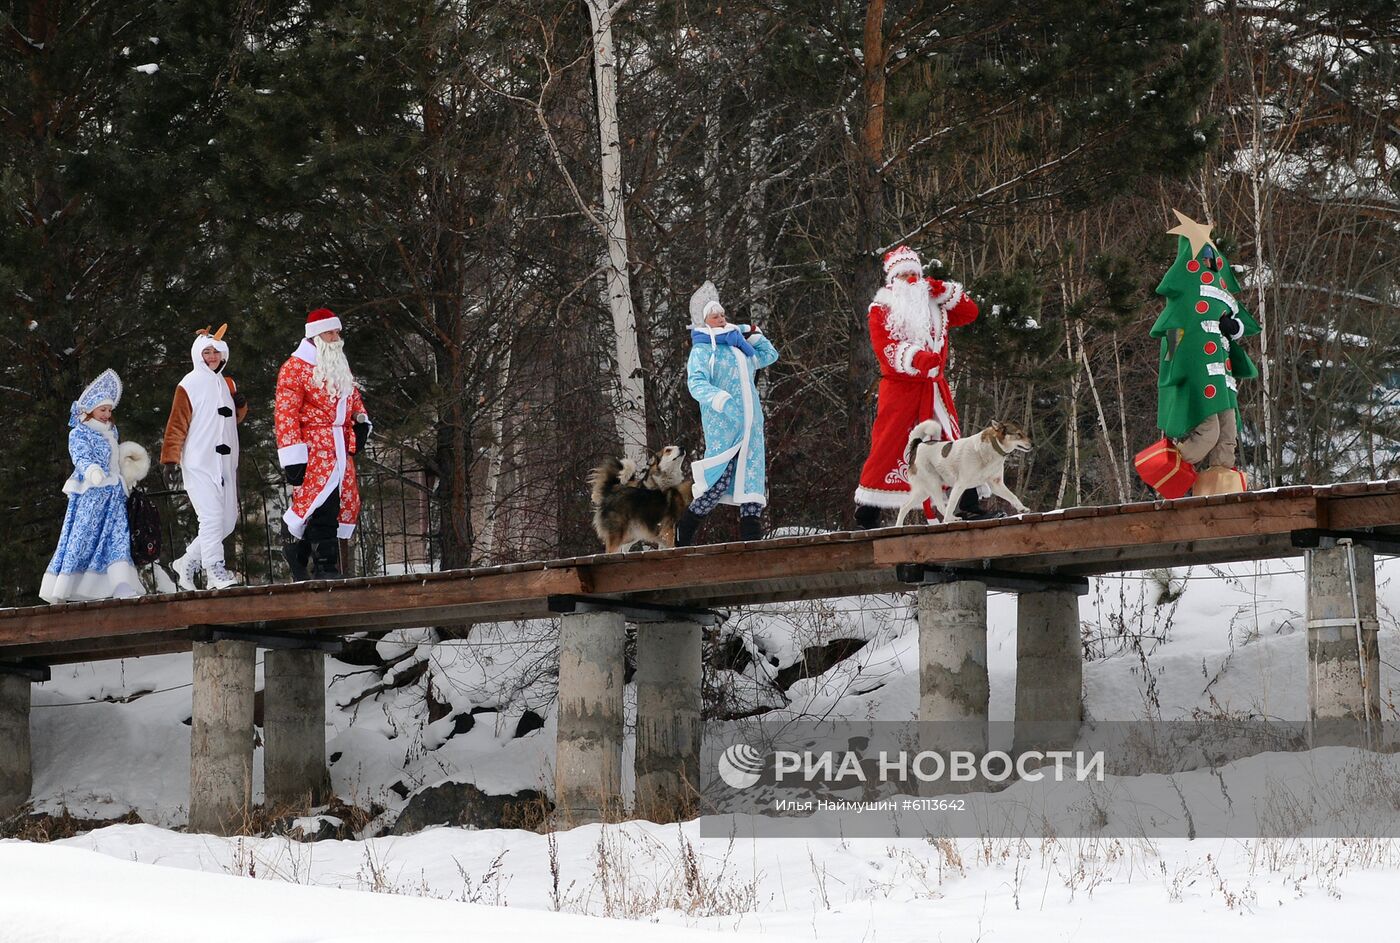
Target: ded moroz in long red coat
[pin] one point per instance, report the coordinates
(908, 395)
(314, 428)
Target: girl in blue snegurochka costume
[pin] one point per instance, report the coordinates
(93, 559)
(720, 374)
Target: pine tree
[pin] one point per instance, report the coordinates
(105, 262)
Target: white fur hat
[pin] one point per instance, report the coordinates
(703, 302)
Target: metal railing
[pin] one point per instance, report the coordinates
(396, 533)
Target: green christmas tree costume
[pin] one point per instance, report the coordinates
(1199, 367)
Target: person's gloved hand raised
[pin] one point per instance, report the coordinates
(928, 362)
(1231, 326)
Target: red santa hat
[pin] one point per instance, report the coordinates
(320, 321)
(902, 261)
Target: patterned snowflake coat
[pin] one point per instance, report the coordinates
(314, 428)
(907, 395)
(721, 379)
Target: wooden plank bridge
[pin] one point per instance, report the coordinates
(1043, 556)
(1083, 541)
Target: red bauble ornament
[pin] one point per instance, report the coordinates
(1193, 266)
(1210, 391)
(1210, 347)
(1207, 278)
(1202, 307)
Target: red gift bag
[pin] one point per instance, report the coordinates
(1164, 470)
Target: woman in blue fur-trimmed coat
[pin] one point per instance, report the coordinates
(720, 375)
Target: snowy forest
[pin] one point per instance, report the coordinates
(509, 204)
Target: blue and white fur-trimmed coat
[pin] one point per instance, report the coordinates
(93, 559)
(721, 379)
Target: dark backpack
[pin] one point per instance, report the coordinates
(144, 519)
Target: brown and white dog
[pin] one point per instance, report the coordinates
(965, 463)
(631, 504)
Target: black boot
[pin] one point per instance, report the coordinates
(686, 528)
(297, 554)
(970, 508)
(327, 555)
(750, 527)
(867, 516)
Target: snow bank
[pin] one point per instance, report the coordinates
(59, 894)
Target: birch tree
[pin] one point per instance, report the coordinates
(630, 415)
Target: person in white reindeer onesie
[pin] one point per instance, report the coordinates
(201, 438)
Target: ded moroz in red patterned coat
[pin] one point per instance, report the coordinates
(316, 429)
(904, 348)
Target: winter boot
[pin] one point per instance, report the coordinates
(970, 508)
(297, 554)
(1219, 480)
(867, 516)
(326, 554)
(185, 567)
(219, 578)
(750, 527)
(686, 528)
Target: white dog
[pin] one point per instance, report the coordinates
(966, 463)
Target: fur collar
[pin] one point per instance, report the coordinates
(103, 429)
(306, 351)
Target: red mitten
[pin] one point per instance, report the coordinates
(926, 360)
(962, 313)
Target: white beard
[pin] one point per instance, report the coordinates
(913, 317)
(332, 370)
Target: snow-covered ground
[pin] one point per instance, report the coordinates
(1232, 645)
(56, 893)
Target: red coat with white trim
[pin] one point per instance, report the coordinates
(913, 387)
(314, 428)
(900, 358)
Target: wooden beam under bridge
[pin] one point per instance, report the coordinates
(1076, 541)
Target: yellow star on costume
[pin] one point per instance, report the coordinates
(1198, 234)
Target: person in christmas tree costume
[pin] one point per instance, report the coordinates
(909, 322)
(1202, 360)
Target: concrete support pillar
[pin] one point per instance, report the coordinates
(294, 730)
(221, 737)
(16, 765)
(1343, 670)
(953, 686)
(1049, 671)
(588, 759)
(668, 719)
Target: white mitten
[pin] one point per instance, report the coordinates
(94, 475)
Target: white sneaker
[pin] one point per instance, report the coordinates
(185, 568)
(219, 578)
